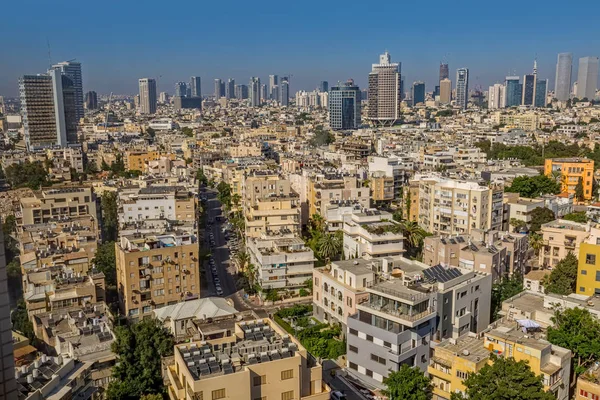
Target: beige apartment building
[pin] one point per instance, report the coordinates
(325, 188)
(382, 186)
(51, 204)
(250, 360)
(155, 270)
(526, 121)
(560, 238)
(455, 207)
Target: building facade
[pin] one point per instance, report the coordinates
(562, 83)
(344, 106)
(385, 94)
(462, 87)
(147, 95)
(571, 171)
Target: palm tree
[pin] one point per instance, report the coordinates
(536, 242)
(251, 274)
(318, 222)
(329, 246)
(242, 259)
(235, 200)
(413, 233)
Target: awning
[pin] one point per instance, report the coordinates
(529, 324)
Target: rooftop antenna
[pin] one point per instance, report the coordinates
(49, 53)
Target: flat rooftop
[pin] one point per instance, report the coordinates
(467, 347)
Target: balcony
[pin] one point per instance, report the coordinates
(411, 318)
(570, 244)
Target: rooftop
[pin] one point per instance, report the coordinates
(467, 347)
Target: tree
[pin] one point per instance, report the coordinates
(242, 260)
(504, 379)
(33, 175)
(189, 132)
(577, 216)
(272, 295)
(539, 216)
(503, 290)
(579, 190)
(408, 383)
(151, 133)
(317, 222)
(105, 261)
(578, 330)
(517, 224)
(309, 284)
(533, 186)
(201, 177)
(330, 246)
(110, 225)
(563, 278)
(21, 322)
(152, 397)
(321, 137)
(139, 348)
(536, 242)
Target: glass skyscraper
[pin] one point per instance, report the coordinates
(513, 91)
(418, 93)
(562, 84)
(528, 90)
(541, 89)
(344, 106)
(462, 87)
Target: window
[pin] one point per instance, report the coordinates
(583, 272)
(369, 338)
(287, 374)
(581, 289)
(461, 374)
(287, 395)
(353, 349)
(590, 259)
(597, 276)
(218, 394)
(378, 359)
(369, 373)
(353, 366)
(260, 380)
(353, 332)
(387, 344)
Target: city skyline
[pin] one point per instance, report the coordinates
(309, 55)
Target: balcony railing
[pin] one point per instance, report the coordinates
(406, 316)
(408, 296)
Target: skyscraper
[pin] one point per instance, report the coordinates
(218, 86)
(91, 100)
(254, 91)
(180, 89)
(147, 96)
(462, 87)
(445, 91)
(562, 84)
(72, 69)
(48, 107)
(273, 82)
(496, 96)
(196, 85)
(241, 92)
(284, 92)
(324, 86)
(8, 385)
(344, 106)
(587, 78)
(384, 91)
(541, 91)
(529, 85)
(230, 89)
(264, 93)
(513, 91)
(418, 93)
(444, 71)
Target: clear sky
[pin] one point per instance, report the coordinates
(118, 42)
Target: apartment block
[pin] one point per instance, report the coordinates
(519, 208)
(454, 207)
(588, 385)
(53, 204)
(339, 287)
(390, 167)
(174, 203)
(156, 269)
(370, 234)
(382, 187)
(560, 238)
(588, 271)
(138, 160)
(249, 360)
(571, 170)
(327, 187)
(282, 261)
(526, 121)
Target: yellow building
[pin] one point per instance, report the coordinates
(570, 170)
(252, 360)
(138, 160)
(382, 186)
(588, 385)
(588, 269)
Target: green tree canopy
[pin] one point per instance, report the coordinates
(408, 383)
(330, 246)
(533, 186)
(105, 261)
(504, 379)
(539, 216)
(577, 216)
(563, 278)
(503, 290)
(321, 137)
(579, 331)
(139, 348)
(579, 190)
(33, 175)
(189, 132)
(110, 226)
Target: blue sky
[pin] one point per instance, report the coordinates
(121, 41)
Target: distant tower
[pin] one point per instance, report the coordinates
(513, 91)
(384, 91)
(218, 86)
(72, 70)
(444, 72)
(462, 87)
(180, 89)
(147, 95)
(254, 91)
(344, 106)
(284, 92)
(496, 96)
(91, 100)
(273, 82)
(587, 78)
(445, 91)
(324, 86)
(418, 93)
(562, 84)
(529, 85)
(230, 89)
(196, 85)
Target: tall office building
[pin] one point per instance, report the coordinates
(72, 70)
(513, 89)
(445, 91)
(284, 92)
(273, 82)
(147, 95)
(562, 84)
(324, 86)
(91, 100)
(444, 71)
(48, 108)
(344, 106)
(402, 94)
(218, 87)
(8, 385)
(264, 93)
(384, 91)
(180, 89)
(496, 96)
(163, 97)
(462, 87)
(541, 91)
(196, 86)
(529, 86)
(241, 92)
(587, 78)
(254, 91)
(230, 89)
(418, 93)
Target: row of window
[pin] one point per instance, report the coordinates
(262, 379)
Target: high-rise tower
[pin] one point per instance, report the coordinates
(462, 87)
(562, 84)
(384, 92)
(196, 86)
(147, 95)
(72, 70)
(587, 78)
(344, 106)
